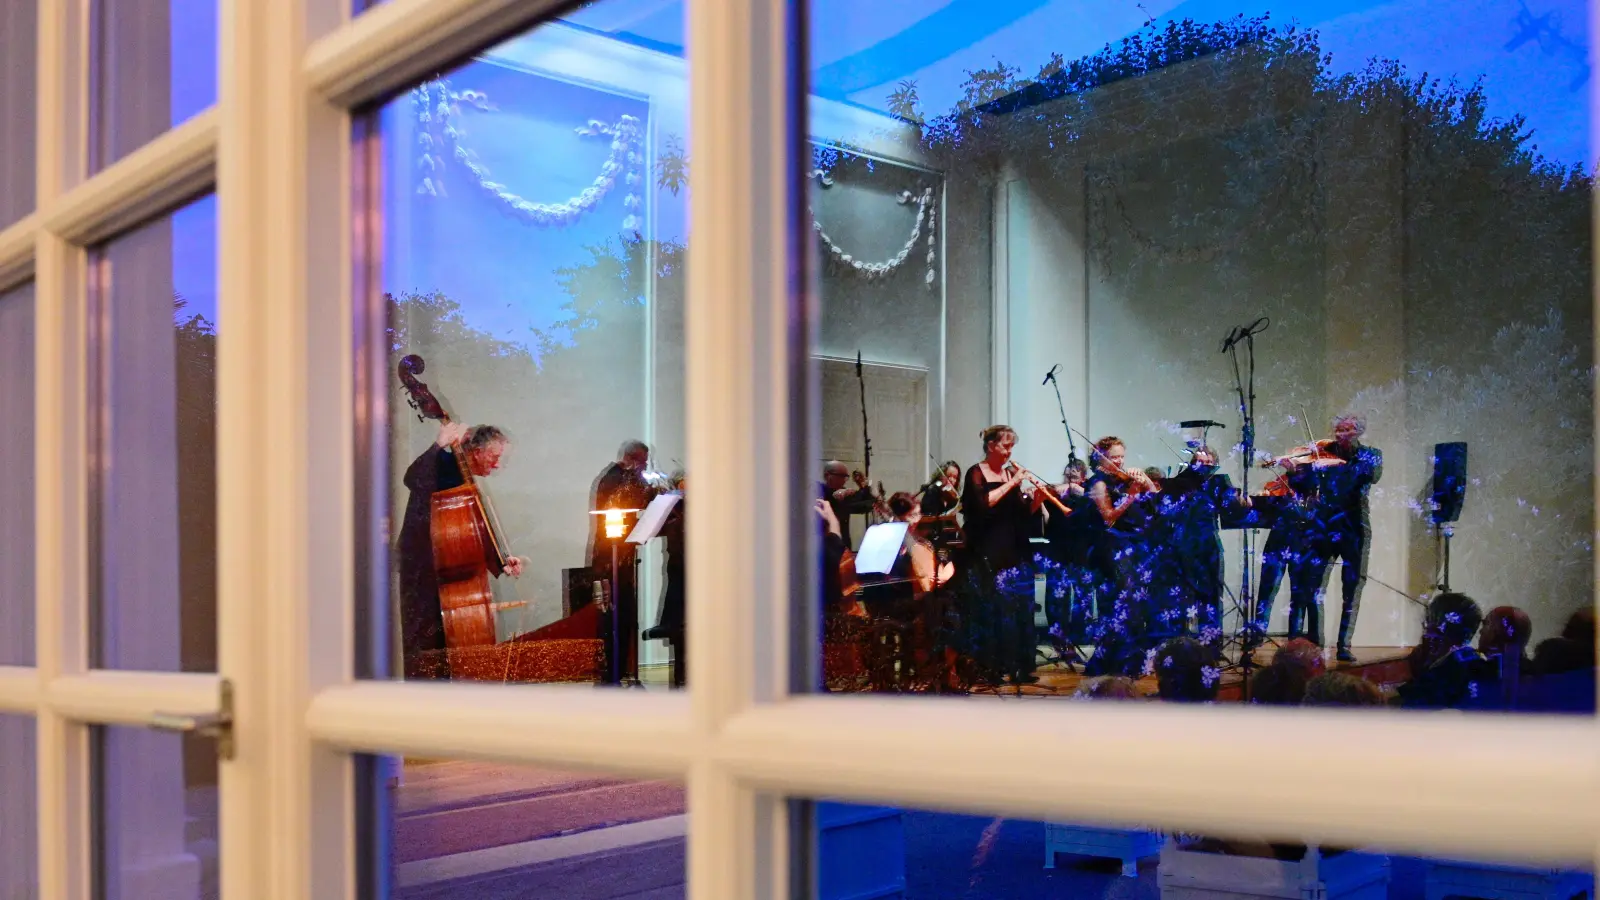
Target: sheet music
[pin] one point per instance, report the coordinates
(879, 548)
(653, 517)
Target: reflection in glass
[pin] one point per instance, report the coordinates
(19, 850)
(534, 329)
(16, 490)
(153, 437)
(18, 108)
(917, 854)
(485, 831)
(155, 66)
(1219, 341)
(157, 824)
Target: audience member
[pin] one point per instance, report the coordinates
(1107, 687)
(1283, 681)
(1184, 673)
(1447, 672)
(1343, 689)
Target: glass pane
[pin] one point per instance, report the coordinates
(1233, 326)
(487, 831)
(155, 515)
(534, 302)
(18, 107)
(919, 854)
(155, 66)
(19, 847)
(157, 822)
(16, 491)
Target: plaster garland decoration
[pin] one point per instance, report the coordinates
(438, 109)
(873, 271)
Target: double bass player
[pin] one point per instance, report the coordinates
(437, 469)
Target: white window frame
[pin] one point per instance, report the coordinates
(277, 147)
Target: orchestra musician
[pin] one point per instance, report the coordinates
(436, 469)
(941, 497)
(999, 508)
(621, 485)
(846, 500)
(1123, 560)
(1192, 502)
(1327, 519)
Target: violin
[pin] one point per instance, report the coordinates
(466, 534)
(1316, 455)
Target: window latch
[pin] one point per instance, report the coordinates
(217, 726)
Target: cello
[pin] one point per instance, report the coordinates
(467, 545)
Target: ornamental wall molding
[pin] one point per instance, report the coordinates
(438, 110)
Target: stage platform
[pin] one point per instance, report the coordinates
(1385, 666)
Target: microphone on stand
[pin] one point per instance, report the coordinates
(1050, 375)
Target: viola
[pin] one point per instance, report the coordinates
(466, 534)
(1316, 455)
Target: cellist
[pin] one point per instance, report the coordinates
(483, 447)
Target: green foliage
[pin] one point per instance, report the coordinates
(672, 165)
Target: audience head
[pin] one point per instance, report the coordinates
(1506, 630)
(1183, 671)
(1108, 687)
(1454, 618)
(1283, 682)
(1580, 628)
(1342, 689)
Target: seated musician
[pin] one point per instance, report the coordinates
(437, 469)
(941, 498)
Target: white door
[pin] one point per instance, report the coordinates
(118, 663)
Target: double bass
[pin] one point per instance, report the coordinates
(468, 548)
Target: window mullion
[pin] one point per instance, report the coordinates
(741, 345)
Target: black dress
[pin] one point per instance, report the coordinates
(998, 620)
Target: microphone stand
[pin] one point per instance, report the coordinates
(1244, 382)
(1072, 447)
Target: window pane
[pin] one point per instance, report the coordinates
(538, 298)
(19, 848)
(919, 854)
(155, 67)
(18, 107)
(16, 491)
(155, 300)
(484, 831)
(1232, 324)
(157, 824)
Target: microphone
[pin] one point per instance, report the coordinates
(1233, 338)
(1050, 375)
(1200, 423)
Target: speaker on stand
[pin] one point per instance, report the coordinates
(1449, 494)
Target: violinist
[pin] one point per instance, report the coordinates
(483, 447)
(1124, 559)
(1328, 481)
(940, 498)
(621, 485)
(846, 500)
(1192, 502)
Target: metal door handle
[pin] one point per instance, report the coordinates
(217, 725)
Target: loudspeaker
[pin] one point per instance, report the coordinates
(1449, 481)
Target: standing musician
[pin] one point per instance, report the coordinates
(483, 447)
(999, 508)
(846, 500)
(621, 485)
(1343, 471)
(1192, 502)
(1122, 496)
